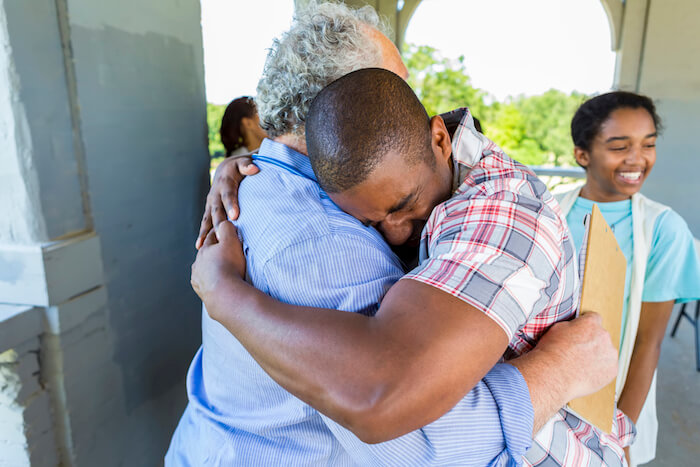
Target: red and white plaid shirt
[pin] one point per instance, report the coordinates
(502, 245)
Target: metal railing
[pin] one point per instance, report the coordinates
(573, 172)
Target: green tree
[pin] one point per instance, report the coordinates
(214, 115)
(548, 122)
(533, 130)
(507, 128)
(440, 83)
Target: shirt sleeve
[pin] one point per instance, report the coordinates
(339, 271)
(490, 426)
(673, 268)
(504, 257)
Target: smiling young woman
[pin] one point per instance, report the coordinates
(615, 142)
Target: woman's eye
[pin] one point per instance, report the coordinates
(618, 149)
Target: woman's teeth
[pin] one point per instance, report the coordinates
(631, 176)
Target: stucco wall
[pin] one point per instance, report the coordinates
(670, 73)
(140, 84)
(140, 89)
(102, 181)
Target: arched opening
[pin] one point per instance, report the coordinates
(530, 65)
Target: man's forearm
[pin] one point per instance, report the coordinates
(384, 376)
(572, 359)
(549, 392)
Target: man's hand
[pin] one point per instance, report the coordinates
(572, 359)
(220, 258)
(222, 199)
(586, 352)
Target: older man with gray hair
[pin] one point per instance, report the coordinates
(297, 246)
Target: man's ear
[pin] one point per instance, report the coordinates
(583, 158)
(441, 142)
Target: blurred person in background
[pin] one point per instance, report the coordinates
(240, 127)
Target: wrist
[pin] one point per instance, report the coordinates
(230, 299)
(218, 290)
(549, 375)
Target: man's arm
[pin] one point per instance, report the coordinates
(384, 376)
(488, 426)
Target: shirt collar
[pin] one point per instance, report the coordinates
(468, 148)
(288, 157)
(622, 206)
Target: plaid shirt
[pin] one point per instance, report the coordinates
(501, 244)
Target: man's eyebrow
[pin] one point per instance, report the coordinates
(652, 135)
(402, 203)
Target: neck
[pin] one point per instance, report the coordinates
(298, 143)
(591, 193)
(250, 141)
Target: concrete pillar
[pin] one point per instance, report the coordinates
(670, 74)
(630, 52)
(657, 43)
(103, 173)
(47, 252)
(614, 9)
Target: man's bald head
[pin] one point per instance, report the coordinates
(357, 120)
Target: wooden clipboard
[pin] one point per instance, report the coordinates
(602, 291)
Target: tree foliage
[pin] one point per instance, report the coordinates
(533, 130)
(214, 115)
(441, 84)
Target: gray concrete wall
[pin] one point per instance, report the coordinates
(102, 181)
(670, 73)
(140, 81)
(659, 46)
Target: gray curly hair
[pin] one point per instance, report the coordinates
(326, 41)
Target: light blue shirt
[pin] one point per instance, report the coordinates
(302, 249)
(673, 268)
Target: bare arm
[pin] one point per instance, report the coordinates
(645, 357)
(411, 363)
(384, 376)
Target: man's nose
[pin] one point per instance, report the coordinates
(396, 231)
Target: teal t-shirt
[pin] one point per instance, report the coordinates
(673, 267)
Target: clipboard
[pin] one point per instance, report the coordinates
(602, 291)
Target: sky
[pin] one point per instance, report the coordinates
(510, 47)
